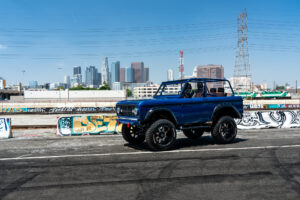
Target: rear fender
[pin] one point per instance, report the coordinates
(225, 109)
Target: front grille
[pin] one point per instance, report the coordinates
(126, 110)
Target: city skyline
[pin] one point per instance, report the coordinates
(90, 76)
(205, 31)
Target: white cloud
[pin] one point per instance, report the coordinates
(2, 46)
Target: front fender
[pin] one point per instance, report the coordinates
(159, 111)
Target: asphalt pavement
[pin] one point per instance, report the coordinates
(260, 164)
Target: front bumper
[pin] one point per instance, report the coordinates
(128, 120)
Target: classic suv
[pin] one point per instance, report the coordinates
(191, 105)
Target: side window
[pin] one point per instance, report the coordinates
(198, 88)
(215, 89)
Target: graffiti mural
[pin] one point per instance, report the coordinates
(5, 128)
(92, 125)
(59, 110)
(269, 119)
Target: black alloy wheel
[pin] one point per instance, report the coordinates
(132, 134)
(161, 135)
(225, 130)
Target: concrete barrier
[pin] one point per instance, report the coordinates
(94, 125)
(269, 119)
(57, 110)
(90, 125)
(5, 128)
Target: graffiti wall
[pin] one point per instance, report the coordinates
(5, 128)
(92, 125)
(270, 106)
(58, 110)
(95, 125)
(269, 119)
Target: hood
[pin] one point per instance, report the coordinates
(155, 100)
(131, 102)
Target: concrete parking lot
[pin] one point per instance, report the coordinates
(261, 164)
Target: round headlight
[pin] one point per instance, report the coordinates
(118, 110)
(135, 111)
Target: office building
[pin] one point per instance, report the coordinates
(146, 74)
(77, 76)
(92, 77)
(33, 84)
(122, 75)
(170, 75)
(210, 71)
(148, 91)
(46, 86)
(138, 72)
(2, 83)
(55, 85)
(67, 81)
(76, 70)
(115, 72)
(128, 75)
(105, 71)
(117, 86)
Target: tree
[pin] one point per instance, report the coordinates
(78, 88)
(104, 86)
(128, 93)
(60, 88)
(280, 88)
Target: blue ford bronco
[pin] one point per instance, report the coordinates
(191, 105)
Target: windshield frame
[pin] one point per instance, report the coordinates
(184, 81)
(163, 85)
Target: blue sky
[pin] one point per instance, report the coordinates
(46, 38)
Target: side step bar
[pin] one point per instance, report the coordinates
(195, 127)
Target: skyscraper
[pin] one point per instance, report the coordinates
(115, 72)
(138, 72)
(92, 77)
(146, 74)
(33, 84)
(76, 70)
(170, 75)
(67, 81)
(128, 75)
(77, 76)
(122, 75)
(105, 71)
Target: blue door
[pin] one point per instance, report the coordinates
(195, 110)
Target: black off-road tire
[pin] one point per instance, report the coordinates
(161, 135)
(193, 133)
(225, 130)
(131, 135)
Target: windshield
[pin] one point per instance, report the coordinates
(169, 89)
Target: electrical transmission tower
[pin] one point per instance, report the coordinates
(181, 65)
(242, 74)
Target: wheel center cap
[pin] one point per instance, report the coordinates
(162, 135)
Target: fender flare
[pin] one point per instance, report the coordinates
(155, 110)
(221, 106)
